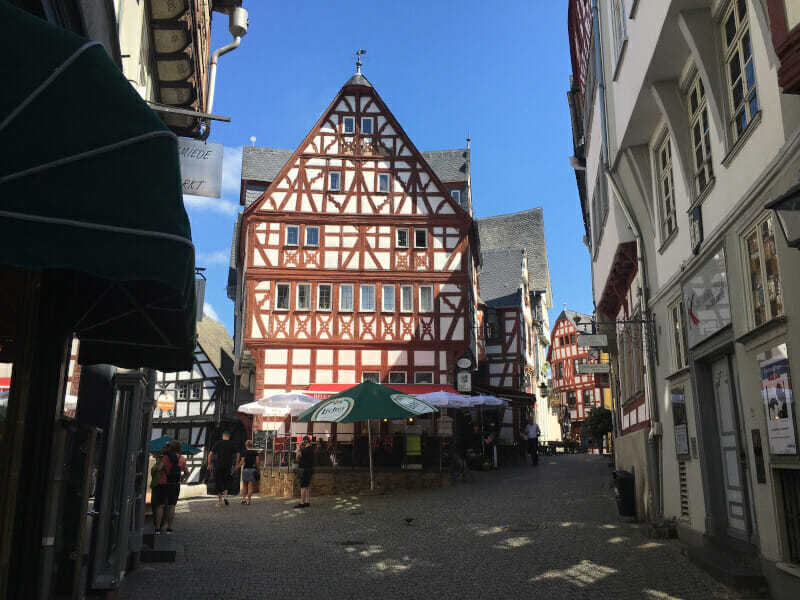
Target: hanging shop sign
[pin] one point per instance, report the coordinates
(681, 422)
(201, 167)
(776, 394)
(586, 340)
(590, 369)
(705, 299)
(464, 381)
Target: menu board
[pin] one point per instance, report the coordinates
(776, 394)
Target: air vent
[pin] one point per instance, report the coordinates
(684, 489)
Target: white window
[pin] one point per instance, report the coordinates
(303, 296)
(312, 236)
(402, 238)
(666, 189)
(324, 296)
(456, 195)
(346, 297)
(197, 390)
(366, 125)
(383, 183)
(388, 298)
(599, 211)
(183, 391)
(701, 136)
(678, 341)
(406, 298)
(335, 181)
(397, 377)
(739, 67)
(426, 298)
(349, 125)
(372, 376)
(282, 299)
(292, 235)
(368, 298)
(423, 377)
(420, 238)
(620, 33)
(766, 296)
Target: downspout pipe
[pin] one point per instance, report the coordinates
(654, 439)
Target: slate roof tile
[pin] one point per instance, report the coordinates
(500, 279)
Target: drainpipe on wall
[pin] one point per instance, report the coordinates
(654, 439)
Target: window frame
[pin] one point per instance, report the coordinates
(455, 194)
(381, 178)
(308, 229)
(296, 229)
(344, 126)
(288, 287)
(421, 308)
(351, 287)
(677, 335)
(619, 28)
(182, 391)
(361, 288)
(756, 229)
(698, 118)
(330, 181)
(732, 50)
(418, 230)
(196, 386)
(665, 175)
(371, 122)
(397, 237)
(307, 306)
(376, 376)
(394, 373)
(417, 377)
(329, 286)
(384, 287)
(410, 308)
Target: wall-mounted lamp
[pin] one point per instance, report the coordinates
(787, 209)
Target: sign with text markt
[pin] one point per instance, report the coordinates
(591, 369)
(592, 341)
(201, 167)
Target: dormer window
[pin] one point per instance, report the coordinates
(334, 181)
(349, 125)
(383, 183)
(456, 195)
(366, 126)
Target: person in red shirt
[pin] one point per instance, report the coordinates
(173, 473)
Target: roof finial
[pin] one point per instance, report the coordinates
(469, 138)
(359, 54)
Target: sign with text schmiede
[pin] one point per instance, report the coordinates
(201, 167)
(706, 302)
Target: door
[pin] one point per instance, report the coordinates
(727, 423)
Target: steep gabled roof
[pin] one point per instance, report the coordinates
(217, 344)
(526, 230)
(500, 280)
(585, 321)
(263, 164)
(450, 166)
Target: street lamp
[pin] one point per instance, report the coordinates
(787, 208)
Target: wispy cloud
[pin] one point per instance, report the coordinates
(226, 207)
(220, 257)
(209, 311)
(231, 170)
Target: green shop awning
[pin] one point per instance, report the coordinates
(90, 184)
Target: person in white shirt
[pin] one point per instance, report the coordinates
(533, 431)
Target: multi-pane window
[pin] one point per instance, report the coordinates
(383, 183)
(572, 399)
(366, 125)
(388, 298)
(312, 236)
(197, 390)
(423, 377)
(492, 325)
(599, 211)
(368, 298)
(701, 136)
(588, 398)
(183, 391)
(397, 377)
(406, 298)
(349, 125)
(402, 238)
(324, 296)
(631, 360)
(425, 298)
(740, 67)
(303, 296)
(292, 235)
(678, 339)
(620, 33)
(420, 238)
(335, 181)
(573, 339)
(346, 297)
(282, 299)
(766, 297)
(372, 376)
(666, 189)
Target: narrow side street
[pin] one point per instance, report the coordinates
(559, 537)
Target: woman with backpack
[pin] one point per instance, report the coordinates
(173, 473)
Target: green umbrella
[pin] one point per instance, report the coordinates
(158, 444)
(363, 402)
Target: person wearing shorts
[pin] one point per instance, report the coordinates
(305, 458)
(250, 463)
(165, 496)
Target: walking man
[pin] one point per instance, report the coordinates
(533, 431)
(305, 458)
(225, 455)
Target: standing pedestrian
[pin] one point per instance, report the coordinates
(172, 473)
(250, 476)
(533, 431)
(305, 458)
(225, 456)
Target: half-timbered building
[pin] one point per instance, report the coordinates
(196, 406)
(577, 393)
(353, 259)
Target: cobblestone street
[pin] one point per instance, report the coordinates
(551, 532)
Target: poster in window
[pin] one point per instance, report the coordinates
(706, 300)
(776, 394)
(680, 421)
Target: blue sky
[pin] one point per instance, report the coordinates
(498, 70)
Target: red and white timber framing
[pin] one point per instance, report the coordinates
(316, 339)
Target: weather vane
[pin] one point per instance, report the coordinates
(359, 54)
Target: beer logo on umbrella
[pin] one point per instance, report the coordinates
(333, 410)
(412, 404)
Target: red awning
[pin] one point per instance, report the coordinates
(323, 390)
